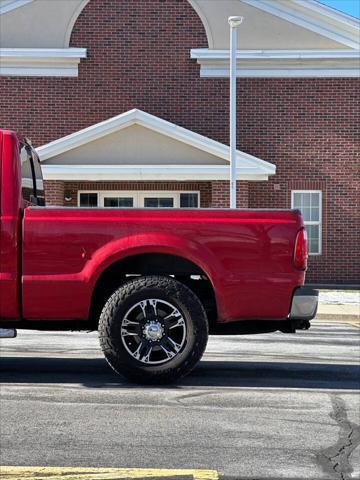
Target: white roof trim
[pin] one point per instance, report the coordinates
(8, 5)
(98, 173)
(280, 63)
(315, 17)
(330, 12)
(274, 54)
(54, 62)
(158, 125)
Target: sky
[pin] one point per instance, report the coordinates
(351, 7)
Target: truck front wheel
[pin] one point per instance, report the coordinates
(153, 330)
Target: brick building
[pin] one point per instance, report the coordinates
(128, 104)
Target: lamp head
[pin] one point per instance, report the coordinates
(235, 21)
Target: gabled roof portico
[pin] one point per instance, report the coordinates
(138, 146)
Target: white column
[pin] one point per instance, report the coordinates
(234, 23)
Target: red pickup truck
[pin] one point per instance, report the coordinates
(154, 282)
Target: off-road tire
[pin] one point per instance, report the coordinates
(169, 290)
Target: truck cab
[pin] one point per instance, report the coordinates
(21, 186)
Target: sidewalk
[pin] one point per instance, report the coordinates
(339, 313)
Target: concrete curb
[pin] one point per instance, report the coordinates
(352, 320)
(338, 313)
(336, 317)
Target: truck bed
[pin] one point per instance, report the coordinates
(246, 255)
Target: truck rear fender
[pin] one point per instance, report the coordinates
(116, 252)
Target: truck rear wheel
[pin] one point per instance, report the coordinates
(153, 330)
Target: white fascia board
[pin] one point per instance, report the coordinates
(281, 73)
(280, 63)
(156, 124)
(45, 53)
(147, 172)
(8, 5)
(331, 13)
(183, 135)
(310, 15)
(86, 135)
(43, 62)
(124, 120)
(245, 160)
(205, 53)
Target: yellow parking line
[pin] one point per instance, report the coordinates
(83, 473)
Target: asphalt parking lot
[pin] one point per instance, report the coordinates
(257, 407)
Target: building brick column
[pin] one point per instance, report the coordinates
(220, 197)
(54, 192)
(242, 195)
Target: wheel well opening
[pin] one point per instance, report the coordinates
(180, 268)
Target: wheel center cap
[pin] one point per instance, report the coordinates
(153, 331)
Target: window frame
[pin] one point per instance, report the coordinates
(143, 195)
(89, 192)
(306, 223)
(138, 196)
(38, 178)
(27, 182)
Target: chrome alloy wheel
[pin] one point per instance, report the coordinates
(153, 331)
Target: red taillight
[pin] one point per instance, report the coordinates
(301, 250)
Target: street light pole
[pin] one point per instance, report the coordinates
(234, 23)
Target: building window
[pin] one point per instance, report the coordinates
(139, 199)
(88, 199)
(189, 200)
(309, 203)
(158, 202)
(119, 202)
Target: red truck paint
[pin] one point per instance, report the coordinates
(51, 258)
(246, 255)
(11, 211)
(153, 282)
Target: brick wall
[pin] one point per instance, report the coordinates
(309, 128)
(221, 194)
(54, 192)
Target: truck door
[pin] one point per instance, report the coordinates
(10, 218)
(21, 186)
